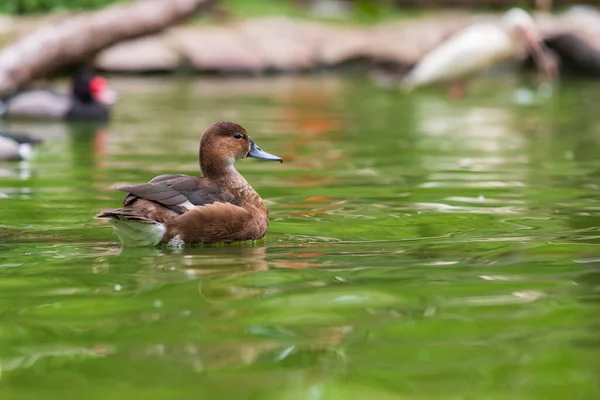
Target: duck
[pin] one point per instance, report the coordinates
(218, 207)
(88, 99)
(16, 146)
(479, 47)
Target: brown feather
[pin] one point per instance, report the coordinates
(141, 210)
(173, 190)
(217, 222)
(126, 213)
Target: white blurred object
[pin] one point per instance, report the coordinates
(478, 48)
(524, 97)
(12, 150)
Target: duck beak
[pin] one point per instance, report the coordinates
(257, 152)
(100, 91)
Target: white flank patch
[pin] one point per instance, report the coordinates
(176, 241)
(135, 233)
(187, 205)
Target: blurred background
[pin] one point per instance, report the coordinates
(432, 228)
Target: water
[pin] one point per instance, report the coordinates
(418, 249)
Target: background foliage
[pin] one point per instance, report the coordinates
(38, 6)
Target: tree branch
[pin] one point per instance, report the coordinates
(80, 37)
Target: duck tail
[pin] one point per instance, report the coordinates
(124, 214)
(132, 228)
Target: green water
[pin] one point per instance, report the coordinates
(418, 249)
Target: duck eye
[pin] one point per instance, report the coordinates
(238, 136)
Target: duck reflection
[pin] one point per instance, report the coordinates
(265, 349)
(72, 153)
(88, 144)
(86, 141)
(308, 111)
(212, 300)
(28, 357)
(194, 261)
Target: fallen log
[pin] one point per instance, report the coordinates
(78, 38)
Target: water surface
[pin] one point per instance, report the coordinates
(418, 249)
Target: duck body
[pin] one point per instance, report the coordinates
(220, 207)
(178, 209)
(44, 104)
(87, 100)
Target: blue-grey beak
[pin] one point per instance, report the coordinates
(257, 152)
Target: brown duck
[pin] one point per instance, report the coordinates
(220, 206)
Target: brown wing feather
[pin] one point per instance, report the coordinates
(126, 213)
(142, 211)
(214, 223)
(173, 190)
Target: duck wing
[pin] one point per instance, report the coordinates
(177, 192)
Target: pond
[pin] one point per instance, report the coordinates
(418, 248)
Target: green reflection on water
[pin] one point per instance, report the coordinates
(418, 249)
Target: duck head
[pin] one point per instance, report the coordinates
(223, 143)
(89, 87)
